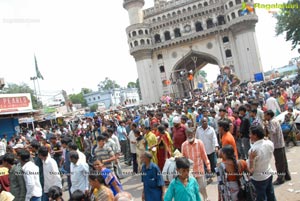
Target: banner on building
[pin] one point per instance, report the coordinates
(15, 102)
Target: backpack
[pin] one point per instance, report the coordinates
(247, 189)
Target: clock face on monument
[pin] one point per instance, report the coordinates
(187, 28)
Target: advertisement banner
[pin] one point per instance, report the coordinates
(15, 102)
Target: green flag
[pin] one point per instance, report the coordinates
(38, 73)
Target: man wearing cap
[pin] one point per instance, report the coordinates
(178, 133)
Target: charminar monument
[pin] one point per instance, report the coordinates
(173, 40)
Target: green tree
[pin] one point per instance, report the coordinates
(86, 90)
(94, 108)
(131, 85)
(108, 84)
(78, 99)
(23, 88)
(288, 22)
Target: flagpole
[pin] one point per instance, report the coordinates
(38, 84)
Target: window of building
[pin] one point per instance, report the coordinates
(99, 97)
(198, 26)
(194, 7)
(238, 2)
(162, 69)
(167, 35)
(142, 42)
(148, 41)
(157, 38)
(200, 5)
(94, 98)
(158, 19)
(140, 32)
(209, 23)
(177, 33)
(233, 15)
(240, 13)
(131, 45)
(163, 17)
(228, 18)
(173, 14)
(146, 31)
(160, 56)
(134, 33)
(136, 43)
(225, 39)
(184, 10)
(189, 9)
(205, 4)
(129, 35)
(221, 20)
(228, 53)
(230, 4)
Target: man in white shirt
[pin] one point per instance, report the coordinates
(272, 104)
(73, 147)
(31, 177)
(132, 140)
(208, 136)
(50, 170)
(79, 174)
(259, 163)
(2, 148)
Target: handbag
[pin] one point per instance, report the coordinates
(247, 190)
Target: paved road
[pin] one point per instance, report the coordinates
(289, 191)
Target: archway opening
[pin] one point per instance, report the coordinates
(194, 73)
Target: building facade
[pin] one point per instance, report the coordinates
(113, 98)
(177, 38)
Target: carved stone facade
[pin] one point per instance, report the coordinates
(180, 36)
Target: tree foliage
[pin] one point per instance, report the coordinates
(78, 99)
(86, 90)
(108, 84)
(131, 85)
(23, 88)
(288, 22)
(94, 108)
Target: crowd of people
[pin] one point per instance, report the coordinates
(240, 128)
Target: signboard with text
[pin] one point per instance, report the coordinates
(15, 102)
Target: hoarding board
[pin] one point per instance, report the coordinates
(15, 102)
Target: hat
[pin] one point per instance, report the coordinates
(18, 146)
(176, 120)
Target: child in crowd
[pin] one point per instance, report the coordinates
(183, 187)
(55, 193)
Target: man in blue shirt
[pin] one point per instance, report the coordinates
(154, 185)
(123, 138)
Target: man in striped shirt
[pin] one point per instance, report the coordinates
(104, 153)
(194, 150)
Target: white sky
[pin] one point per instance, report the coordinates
(80, 42)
